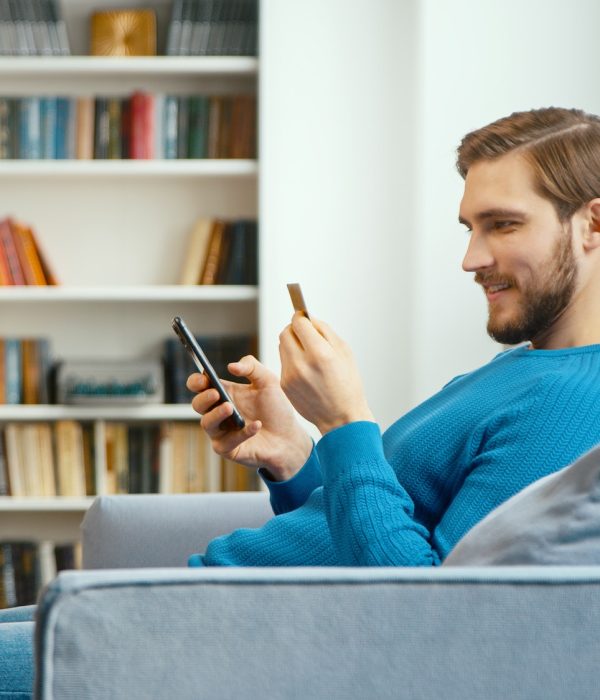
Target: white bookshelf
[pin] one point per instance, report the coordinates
(116, 233)
(91, 169)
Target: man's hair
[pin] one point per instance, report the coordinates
(561, 145)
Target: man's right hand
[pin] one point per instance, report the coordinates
(272, 438)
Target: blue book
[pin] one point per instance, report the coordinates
(13, 371)
(30, 137)
(64, 124)
(170, 126)
(48, 123)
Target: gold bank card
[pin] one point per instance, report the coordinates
(298, 298)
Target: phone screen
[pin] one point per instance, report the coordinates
(202, 363)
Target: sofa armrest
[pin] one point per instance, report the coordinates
(163, 530)
(189, 634)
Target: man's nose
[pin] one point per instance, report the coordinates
(478, 255)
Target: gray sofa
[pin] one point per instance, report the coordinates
(138, 624)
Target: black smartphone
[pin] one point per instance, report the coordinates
(201, 361)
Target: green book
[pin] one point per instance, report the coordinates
(198, 127)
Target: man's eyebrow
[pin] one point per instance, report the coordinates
(493, 214)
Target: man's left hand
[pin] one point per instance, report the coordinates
(319, 375)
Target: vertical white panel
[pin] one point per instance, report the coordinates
(337, 87)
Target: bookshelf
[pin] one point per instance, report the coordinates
(116, 233)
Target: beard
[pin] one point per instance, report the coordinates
(543, 300)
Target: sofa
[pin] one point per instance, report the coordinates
(136, 623)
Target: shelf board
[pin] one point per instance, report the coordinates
(131, 168)
(36, 66)
(148, 412)
(59, 504)
(155, 293)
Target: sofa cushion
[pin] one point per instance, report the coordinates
(555, 520)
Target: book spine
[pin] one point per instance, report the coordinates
(27, 253)
(48, 127)
(84, 128)
(30, 141)
(62, 128)
(171, 106)
(101, 128)
(12, 348)
(12, 257)
(183, 115)
(114, 128)
(198, 127)
(174, 31)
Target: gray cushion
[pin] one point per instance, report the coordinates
(555, 520)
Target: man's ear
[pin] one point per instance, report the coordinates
(591, 238)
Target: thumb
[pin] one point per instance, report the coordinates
(250, 368)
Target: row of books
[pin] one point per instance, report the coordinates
(141, 125)
(22, 260)
(220, 351)
(221, 252)
(26, 566)
(25, 371)
(32, 27)
(73, 459)
(213, 27)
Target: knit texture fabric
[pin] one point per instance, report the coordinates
(407, 497)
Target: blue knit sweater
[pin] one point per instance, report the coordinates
(407, 497)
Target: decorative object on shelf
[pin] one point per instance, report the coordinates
(33, 28)
(213, 28)
(123, 33)
(109, 382)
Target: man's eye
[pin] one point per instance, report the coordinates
(503, 224)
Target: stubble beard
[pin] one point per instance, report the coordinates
(543, 301)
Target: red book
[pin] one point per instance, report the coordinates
(142, 125)
(10, 251)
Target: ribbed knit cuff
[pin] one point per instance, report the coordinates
(349, 445)
(293, 493)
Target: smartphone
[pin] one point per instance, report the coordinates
(201, 361)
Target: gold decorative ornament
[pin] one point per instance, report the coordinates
(123, 33)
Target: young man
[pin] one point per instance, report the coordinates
(532, 204)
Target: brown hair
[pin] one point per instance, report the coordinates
(561, 145)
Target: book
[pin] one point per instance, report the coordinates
(170, 126)
(174, 30)
(114, 151)
(13, 371)
(27, 253)
(4, 485)
(64, 135)
(46, 457)
(101, 128)
(30, 133)
(142, 125)
(198, 127)
(70, 463)
(213, 255)
(47, 269)
(196, 252)
(48, 127)
(14, 460)
(10, 251)
(84, 128)
(30, 370)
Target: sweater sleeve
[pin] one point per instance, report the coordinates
(288, 495)
(370, 514)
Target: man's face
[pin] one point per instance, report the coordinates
(521, 253)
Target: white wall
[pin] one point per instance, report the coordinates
(337, 124)
(479, 61)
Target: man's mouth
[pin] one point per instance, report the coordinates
(493, 291)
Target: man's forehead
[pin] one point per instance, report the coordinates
(503, 184)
